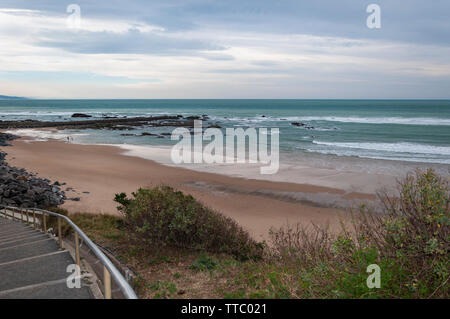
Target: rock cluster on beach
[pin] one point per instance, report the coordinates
(5, 138)
(22, 189)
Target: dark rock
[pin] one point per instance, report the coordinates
(22, 189)
(5, 138)
(81, 115)
(122, 123)
(22, 178)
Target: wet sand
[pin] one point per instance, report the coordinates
(103, 171)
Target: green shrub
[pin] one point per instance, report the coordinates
(164, 217)
(204, 263)
(163, 289)
(409, 239)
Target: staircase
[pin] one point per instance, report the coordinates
(32, 266)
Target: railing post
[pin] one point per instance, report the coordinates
(107, 282)
(45, 222)
(28, 217)
(77, 250)
(34, 219)
(60, 233)
(22, 217)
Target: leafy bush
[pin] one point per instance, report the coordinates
(164, 217)
(409, 240)
(204, 263)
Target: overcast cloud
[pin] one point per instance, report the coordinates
(225, 49)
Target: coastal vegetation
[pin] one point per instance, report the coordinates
(164, 217)
(182, 249)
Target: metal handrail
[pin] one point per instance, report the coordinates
(109, 269)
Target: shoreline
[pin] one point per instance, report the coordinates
(347, 173)
(98, 172)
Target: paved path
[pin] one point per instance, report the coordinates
(33, 266)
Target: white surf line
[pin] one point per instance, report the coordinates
(34, 257)
(25, 244)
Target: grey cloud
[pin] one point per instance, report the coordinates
(416, 21)
(131, 42)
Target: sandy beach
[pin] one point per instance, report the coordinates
(97, 172)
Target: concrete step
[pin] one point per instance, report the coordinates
(36, 249)
(50, 291)
(29, 239)
(34, 271)
(13, 229)
(32, 266)
(9, 222)
(12, 226)
(8, 229)
(38, 272)
(19, 235)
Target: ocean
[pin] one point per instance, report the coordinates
(395, 130)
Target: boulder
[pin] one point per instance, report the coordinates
(81, 115)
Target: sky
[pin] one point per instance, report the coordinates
(321, 49)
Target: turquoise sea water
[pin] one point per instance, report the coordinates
(409, 130)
